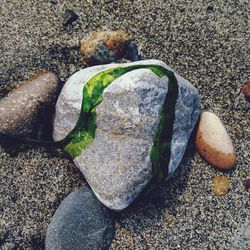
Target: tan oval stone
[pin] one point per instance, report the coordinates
(220, 185)
(213, 142)
(20, 109)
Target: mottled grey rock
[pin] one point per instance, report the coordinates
(117, 164)
(20, 109)
(81, 222)
(241, 241)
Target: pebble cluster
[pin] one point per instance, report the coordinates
(205, 42)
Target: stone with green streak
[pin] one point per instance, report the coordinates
(126, 125)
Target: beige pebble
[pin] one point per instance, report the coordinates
(213, 142)
(220, 185)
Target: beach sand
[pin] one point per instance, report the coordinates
(206, 42)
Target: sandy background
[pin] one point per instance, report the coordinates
(206, 42)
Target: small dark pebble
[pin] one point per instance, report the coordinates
(210, 8)
(69, 17)
(3, 236)
(53, 1)
(132, 52)
(246, 183)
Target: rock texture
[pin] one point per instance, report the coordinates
(20, 109)
(213, 142)
(117, 164)
(104, 46)
(80, 222)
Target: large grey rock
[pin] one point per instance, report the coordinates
(117, 164)
(81, 222)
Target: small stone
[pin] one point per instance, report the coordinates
(246, 91)
(132, 52)
(69, 17)
(105, 46)
(54, 1)
(80, 222)
(220, 185)
(246, 183)
(20, 109)
(210, 8)
(213, 142)
(3, 236)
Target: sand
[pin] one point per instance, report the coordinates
(205, 42)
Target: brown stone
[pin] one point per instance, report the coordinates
(246, 90)
(246, 183)
(213, 142)
(20, 109)
(220, 185)
(104, 46)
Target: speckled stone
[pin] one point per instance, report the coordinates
(117, 163)
(20, 109)
(104, 46)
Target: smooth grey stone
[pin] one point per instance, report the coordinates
(117, 164)
(80, 222)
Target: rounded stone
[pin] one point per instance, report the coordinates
(104, 46)
(20, 109)
(246, 90)
(220, 185)
(80, 222)
(213, 142)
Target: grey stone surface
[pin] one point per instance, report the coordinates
(117, 164)
(241, 241)
(81, 222)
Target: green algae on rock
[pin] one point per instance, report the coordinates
(83, 133)
(130, 135)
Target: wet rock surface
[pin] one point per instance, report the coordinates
(117, 163)
(207, 48)
(80, 222)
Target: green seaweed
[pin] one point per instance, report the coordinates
(84, 131)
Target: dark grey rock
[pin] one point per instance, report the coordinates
(80, 222)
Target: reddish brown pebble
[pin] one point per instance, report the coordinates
(220, 185)
(20, 109)
(246, 183)
(104, 46)
(213, 142)
(246, 90)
